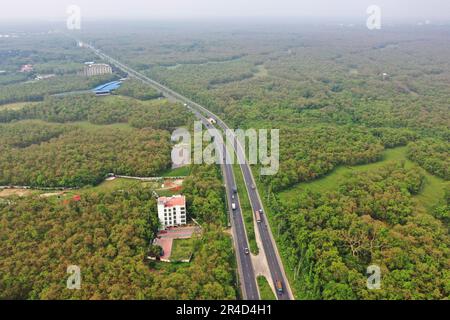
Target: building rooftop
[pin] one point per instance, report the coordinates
(177, 200)
(107, 87)
(90, 65)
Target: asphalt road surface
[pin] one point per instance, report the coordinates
(245, 267)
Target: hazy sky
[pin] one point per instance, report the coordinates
(188, 9)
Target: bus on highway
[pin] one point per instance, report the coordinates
(258, 216)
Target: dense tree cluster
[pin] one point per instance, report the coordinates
(330, 239)
(107, 236)
(442, 210)
(136, 89)
(307, 154)
(157, 114)
(37, 90)
(205, 194)
(84, 156)
(392, 138)
(433, 155)
(47, 53)
(26, 133)
(104, 234)
(6, 78)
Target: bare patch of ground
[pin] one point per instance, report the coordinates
(51, 194)
(15, 192)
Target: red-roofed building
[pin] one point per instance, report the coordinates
(172, 211)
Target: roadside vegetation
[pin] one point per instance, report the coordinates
(156, 114)
(265, 291)
(82, 157)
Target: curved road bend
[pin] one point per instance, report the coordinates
(274, 261)
(245, 267)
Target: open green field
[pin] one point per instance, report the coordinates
(264, 289)
(15, 106)
(177, 172)
(247, 211)
(182, 249)
(118, 184)
(432, 192)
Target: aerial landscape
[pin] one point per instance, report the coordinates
(338, 188)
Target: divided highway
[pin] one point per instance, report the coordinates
(245, 267)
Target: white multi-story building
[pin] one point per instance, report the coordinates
(96, 69)
(172, 211)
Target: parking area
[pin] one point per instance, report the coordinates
(166, 245)
(165, 238)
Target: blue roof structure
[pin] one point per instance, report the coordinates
(107, 87)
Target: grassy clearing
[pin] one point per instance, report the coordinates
(112, 185)
(16, 106)
(264, 289)
(90, 126)
(178, 172)
(432, 193)
(247, 211)
(182, 249)
(261, 72)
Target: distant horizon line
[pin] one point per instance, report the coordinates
(218, 18)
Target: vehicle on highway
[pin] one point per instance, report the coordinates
(253, 187)
(212, 120)
(248, 281)
(279, 287)
(258, 216)
(246, 251)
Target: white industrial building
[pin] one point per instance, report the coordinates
(172, 211)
